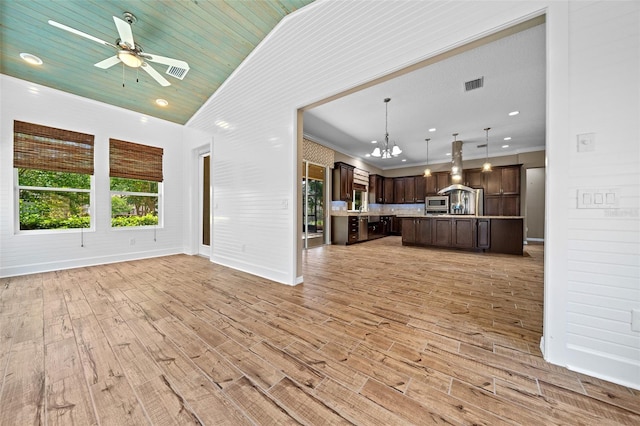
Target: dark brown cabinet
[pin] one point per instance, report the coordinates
(342, 182)
(420, 189)
(483, 233)
(470, 233)
(462, 233)
(416, 231)
(376, 189)
(398, 190)
(502, 205)
(436, 182)
(503, 181)
(474, 178)
(502, 191)
(388, 197)
(441, 232)
(344, 229)
(409, 230)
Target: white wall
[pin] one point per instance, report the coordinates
(29, 252)
(331, 46)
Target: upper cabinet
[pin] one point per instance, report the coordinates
(474, 178)
(342, 182)
(388, 191)
(436, 182)
(503, 181)
(376, 189)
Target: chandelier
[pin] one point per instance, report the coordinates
(386, 152)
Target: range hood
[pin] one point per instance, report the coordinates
(455, 187)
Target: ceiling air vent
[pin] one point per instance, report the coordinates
(474, 84)
(177, 72)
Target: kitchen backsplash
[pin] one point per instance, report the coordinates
(340, 207)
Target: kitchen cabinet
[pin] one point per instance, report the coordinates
(342, 182)
(474, 178)
(376, 189)
(436, 182)
(502, 191)
(503, 181)
(409, 230)
(502, 205)
(396, 225)
(471, 233)
(420, 191)
(441, 232)
(409, 190)
(388, 197)
(416, 231)
(462, 233)
(483, 228)
(398, 190)
(344, 229)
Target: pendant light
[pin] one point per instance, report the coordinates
(456, 159)
(427, 171)
(486, 167)
(386, 152)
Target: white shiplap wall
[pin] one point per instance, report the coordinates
(331, 46)
(23, 253)
(604, 244)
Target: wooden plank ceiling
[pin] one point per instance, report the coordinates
(213, 37)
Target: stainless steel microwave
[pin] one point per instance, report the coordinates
(437, 204)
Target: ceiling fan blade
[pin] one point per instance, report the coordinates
(156, 76)
(164, 60)
(108, 63)
(81, 34)
(124, 30)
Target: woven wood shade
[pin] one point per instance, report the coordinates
(135, 161)
(47, 148)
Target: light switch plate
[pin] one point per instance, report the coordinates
(586, 142)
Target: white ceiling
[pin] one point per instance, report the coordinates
(434, 97)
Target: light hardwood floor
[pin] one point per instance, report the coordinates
(378, 334)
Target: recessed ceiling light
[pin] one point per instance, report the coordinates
(505, 146)
(374, 141)
(508, 138)
(367, 155)
(162, 102)
(404, 159)
(512, 113)
(32, 59)
(448, 153)
(433, 129)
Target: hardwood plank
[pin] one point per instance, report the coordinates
(68, 398)
(112, 394)
(258, 406)
(295, 369)
(23, 391)
(304, 407)
(254, 367)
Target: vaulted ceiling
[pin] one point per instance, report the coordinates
(213, 37)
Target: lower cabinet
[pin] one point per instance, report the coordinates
(471, 233)
(344, 229)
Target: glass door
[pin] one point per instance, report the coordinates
(313, 204)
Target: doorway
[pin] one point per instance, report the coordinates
(204, 166)
(313, 217)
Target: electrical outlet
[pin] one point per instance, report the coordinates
(635, 319)
(586, 142)
(132, 242)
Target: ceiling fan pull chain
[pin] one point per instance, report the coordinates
(123, 74)
(137, 75)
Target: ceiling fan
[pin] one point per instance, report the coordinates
(130, 53)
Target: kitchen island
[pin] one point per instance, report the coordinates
(496, 234)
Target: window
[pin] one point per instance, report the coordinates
(54, 177)
(136, 183)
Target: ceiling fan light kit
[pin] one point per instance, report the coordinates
(131, 54)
